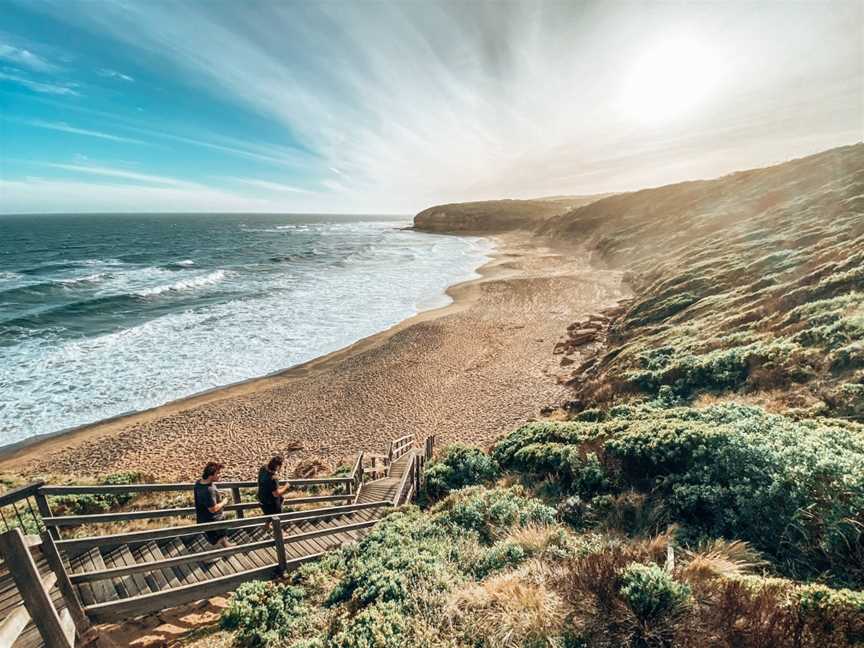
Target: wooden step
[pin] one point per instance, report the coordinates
(158, 579)
(100, 591)
(132, 584)
(188, 572)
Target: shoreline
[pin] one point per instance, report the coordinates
(46, 441)
(467, 371)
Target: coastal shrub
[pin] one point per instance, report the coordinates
(715, 472)
(489, 512)
(383, 625)
(499, 556)
(399, 557)
(651, 593)
(86, 504)
(459, 466)
(264, 614)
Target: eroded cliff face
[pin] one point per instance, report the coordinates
(495, 216)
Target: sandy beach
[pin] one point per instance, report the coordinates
(466, 372)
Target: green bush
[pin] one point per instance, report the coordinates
(87, 504)
(651, 593)
(264, 614)
(499, 556)
(399, 556)
(459, 467)
(488, 512)
(379, 626)
(716, 472)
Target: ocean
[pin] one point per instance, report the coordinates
(105, 314)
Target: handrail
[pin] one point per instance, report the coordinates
(21, 492)
(55, 628)
(153, 565)
(193, 529)
(180, 486)
(96, 518)
(357, 474)
(398, 496)
(102, 574)
(25, 495)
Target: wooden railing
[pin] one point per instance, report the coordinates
(74, 545)
(57, 628)
(145, 603)
(46, 519)
(57, 549)
(17, 509)
(397, 448)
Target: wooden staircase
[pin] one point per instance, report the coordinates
(109, 578)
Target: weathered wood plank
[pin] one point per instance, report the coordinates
(33, 592)
(193, 529)
(139, 605)
(13, 625)
(100, 518)
(103, 489)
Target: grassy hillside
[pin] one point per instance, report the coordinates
(750, 283)
(703, 487)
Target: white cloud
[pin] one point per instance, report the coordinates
(114, 74)
(125, 175)
(431, 102)
(21, 56)
(66, 128)
(269, 186)
(39, 86)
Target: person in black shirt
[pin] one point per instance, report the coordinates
(270, 493)
(209, 503)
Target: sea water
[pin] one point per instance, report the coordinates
(105, 314)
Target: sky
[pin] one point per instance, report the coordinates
(390, 107)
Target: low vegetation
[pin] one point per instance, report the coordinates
(750, 283)
(493, 567)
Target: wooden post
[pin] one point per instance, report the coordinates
(235, 495)
(45, 512)
(279, 542)
(37, 601)
(70, 595)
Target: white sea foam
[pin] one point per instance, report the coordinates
(192, 283)
(289, 314)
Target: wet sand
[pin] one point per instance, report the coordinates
(467, 372)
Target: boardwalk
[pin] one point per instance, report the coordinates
(114, 577)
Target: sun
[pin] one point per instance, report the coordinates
(669, 79)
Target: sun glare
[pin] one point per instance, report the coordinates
(669, 79)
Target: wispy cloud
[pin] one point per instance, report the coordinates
(42, 195)
(63, 127)
(26, 58)
(270, 186)
(413, 103)
(39, 86)
(123, 174)
(114, 74)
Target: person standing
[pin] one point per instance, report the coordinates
(209, 503)
(270, 493)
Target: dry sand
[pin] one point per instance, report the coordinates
(468, 372)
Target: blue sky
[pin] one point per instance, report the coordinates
(389, 107)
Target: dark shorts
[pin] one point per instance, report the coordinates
(215, 536)
(271, 508)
